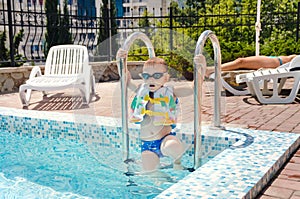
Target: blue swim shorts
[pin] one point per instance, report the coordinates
(154, 145)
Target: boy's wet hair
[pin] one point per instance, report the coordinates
(156, 60)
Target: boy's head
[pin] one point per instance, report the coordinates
(155, 73)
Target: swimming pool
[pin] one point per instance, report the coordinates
(60, 155)
(67, 166)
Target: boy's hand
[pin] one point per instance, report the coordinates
(121, 54)
(200, 60)
(200, 63)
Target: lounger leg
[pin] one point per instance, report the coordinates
(87, 89)
(25, 95)
(275, 98)
(251, 89)
(265, 89)
(93, 85)
(83, 92)
(281, 84)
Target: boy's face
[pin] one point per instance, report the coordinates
(157, 70)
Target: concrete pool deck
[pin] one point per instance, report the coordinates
(240, 111)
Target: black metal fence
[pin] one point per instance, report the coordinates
(15, 15)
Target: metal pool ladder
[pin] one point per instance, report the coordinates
(124, 96)
(198, 81)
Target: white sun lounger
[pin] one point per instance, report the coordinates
(258, 81)
(67, 66)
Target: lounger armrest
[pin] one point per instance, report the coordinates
(241, 78)
(295, 63)
(87, 71)
(36, 71)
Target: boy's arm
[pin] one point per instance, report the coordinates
(132, 86)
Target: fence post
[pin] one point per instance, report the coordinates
(10, 34)
(109, 29)
(298, 18)
(171, 29)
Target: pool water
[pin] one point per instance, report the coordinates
(40, 167)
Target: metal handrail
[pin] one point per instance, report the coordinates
(123, 75)
(198, 81)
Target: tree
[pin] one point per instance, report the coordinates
(107, 28)
(51, 24)
(144, 22)
(105, 20)
(65, 37)
(58, 25)
(3, 49)
(17, 40)
(4, 52)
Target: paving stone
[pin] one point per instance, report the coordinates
(293, 166)
(296, 193)
(289, 184)
(289, 172)
(268, 197)
(295, 160)
(293, 177)
(278, 192)
(295, 197)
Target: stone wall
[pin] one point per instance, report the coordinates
(107, 71)
(11, 78)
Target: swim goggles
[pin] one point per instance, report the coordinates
(154, 75)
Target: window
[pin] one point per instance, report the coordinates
(126, 9)
(86, 8)
(91, 36)
(82, 37)
(142, 9)
(34, 48)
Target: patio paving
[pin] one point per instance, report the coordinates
(238, 111)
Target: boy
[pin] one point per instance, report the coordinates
(155, 108)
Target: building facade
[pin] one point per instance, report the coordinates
(29, 15)
(136, 8)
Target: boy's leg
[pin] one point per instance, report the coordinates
(171, 146)
(150, 161)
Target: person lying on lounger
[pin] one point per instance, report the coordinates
(252, 63)
(155, 107)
